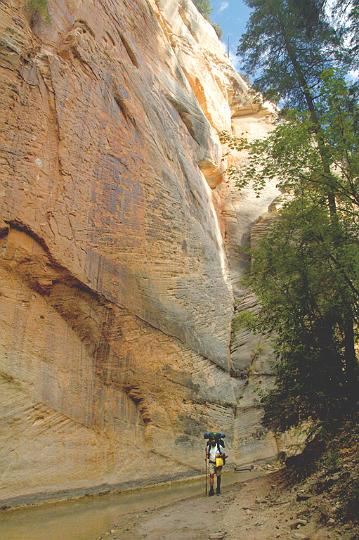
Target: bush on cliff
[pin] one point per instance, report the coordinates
(218, 30)
(204, 7)
(38, 9)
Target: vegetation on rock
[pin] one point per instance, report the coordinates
(38, 9)
(218, 30)
(205, 8)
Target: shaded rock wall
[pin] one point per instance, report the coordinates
(118, 245)
(246, 217)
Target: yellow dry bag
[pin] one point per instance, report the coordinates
(219, 462)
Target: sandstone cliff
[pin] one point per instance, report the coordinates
(120, 242)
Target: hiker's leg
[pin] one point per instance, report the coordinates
(219, 477)
(211, 484)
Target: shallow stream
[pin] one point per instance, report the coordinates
(90, 517)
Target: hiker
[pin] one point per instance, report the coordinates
(216, 459)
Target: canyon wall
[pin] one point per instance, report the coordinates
(121, 247)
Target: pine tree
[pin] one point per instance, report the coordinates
(291, 62)
(283, 51)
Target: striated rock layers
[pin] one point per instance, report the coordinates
(120, 242)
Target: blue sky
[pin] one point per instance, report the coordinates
(232, 16)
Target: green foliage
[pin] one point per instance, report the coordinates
(309, 14)
(347, 14)
(257, 351)
(305, 297)
(305, 272)
(286, 46)
(292, 154)
(244, 319)
(204, 7)
(232, 143)
(38, 8)
(330, 460)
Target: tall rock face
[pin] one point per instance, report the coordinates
(120, 242)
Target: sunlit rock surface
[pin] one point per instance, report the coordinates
(120, 243)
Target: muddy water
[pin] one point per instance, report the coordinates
(90, 517)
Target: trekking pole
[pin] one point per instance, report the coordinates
(206, 470)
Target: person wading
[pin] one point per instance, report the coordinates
(216, 459)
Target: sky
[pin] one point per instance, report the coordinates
(232, 16)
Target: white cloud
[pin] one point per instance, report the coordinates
(223, 6)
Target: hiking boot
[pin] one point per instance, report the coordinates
(218, 490)
(211, 492)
